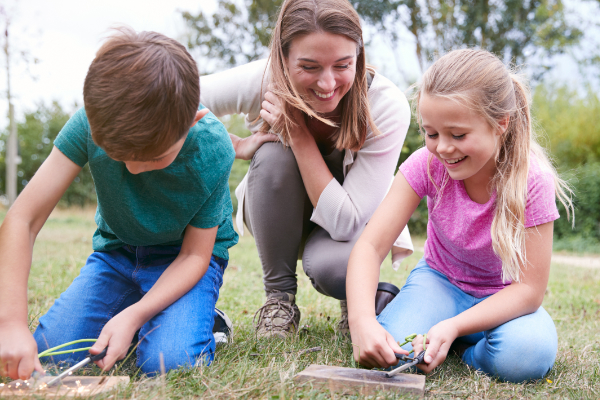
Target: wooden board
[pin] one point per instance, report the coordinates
(72, 386)
(359, 381)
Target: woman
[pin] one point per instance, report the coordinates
(342, 126)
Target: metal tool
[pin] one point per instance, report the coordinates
(91, 357)
(410, 362)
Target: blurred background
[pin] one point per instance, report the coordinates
(47, 46)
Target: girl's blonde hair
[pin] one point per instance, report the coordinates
(478, 80)
(301, 17)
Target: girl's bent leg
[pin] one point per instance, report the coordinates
(517, 351)
(426, 298)
(100, 292)
(183, 331)
(274, 211)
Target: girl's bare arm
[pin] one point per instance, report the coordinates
(373, 346)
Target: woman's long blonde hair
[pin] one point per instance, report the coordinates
(480, 81)
(301, 17)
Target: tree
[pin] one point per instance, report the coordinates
(36, 135)
(514, 29)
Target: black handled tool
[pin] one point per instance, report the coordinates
(410, 362)
(91, 357)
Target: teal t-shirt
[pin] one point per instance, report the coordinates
(153, 208)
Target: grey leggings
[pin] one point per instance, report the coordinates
(277, 212)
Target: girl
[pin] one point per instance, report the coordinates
(491, 198)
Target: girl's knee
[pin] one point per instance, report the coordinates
(521, 350)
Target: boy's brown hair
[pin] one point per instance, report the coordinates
(141, 94)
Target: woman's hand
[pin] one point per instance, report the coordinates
(246, 147)
(373, 346)
(439, 339)
(272, 112)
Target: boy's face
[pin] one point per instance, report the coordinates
(166, 158)
(160, 162)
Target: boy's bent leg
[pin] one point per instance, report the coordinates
(426, 298)
(99, 292)
(183, 331)
(519, 350)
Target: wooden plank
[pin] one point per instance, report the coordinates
(352, 381)
(72, 386)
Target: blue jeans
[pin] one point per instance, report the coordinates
(517, 351)
(112, 281)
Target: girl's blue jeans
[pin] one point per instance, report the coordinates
(112, 281)
(517, 351)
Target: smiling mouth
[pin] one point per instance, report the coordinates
(455, 160)
(324, 96)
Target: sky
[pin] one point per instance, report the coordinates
(65, 34)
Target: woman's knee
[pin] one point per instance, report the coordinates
(520, 350)
(325, 262)
(275, 165)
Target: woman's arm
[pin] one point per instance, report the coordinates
(515, 300)
(238, 91)
(343, 210)
(18, 350)
(374, 346)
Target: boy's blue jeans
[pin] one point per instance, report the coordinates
(517, 351)
(112, 281)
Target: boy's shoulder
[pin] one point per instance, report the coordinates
(211, 150)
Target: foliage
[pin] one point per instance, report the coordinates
(513, 29)
(235, 125)
(571, 123)
(36, 137)
(212, 35)
(586, 232)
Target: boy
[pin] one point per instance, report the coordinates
(163, 216)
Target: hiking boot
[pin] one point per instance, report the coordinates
(343, 326)
(278, 317)
(385, 294)
(222, 327)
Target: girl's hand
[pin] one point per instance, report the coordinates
(246, 147)
(117, 334)
(439, 339)
(373, 346)
(18, 352)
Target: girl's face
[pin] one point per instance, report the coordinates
(461, 139)
(322, 67)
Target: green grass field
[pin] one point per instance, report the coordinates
(250, 368)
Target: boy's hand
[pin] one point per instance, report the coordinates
(439, 340)
(373, 346)
(117, 334)
(18, 352)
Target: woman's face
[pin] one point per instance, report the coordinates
(322, 67)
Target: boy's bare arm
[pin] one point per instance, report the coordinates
(18, 350)
(182, 275)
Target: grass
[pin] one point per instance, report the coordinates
(248, 368)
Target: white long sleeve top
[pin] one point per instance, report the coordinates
(342, 210)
